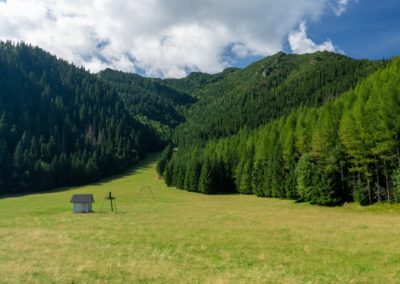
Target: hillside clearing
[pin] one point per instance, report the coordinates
(178, 236)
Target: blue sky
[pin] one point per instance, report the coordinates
(368, 29)
(171, 38)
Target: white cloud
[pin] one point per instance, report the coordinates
(157, 37)
(340, 6)
(300, 42)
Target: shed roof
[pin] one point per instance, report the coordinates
(82, 198)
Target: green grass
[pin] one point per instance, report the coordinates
(177, 236)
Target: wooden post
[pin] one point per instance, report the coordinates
(111, 201)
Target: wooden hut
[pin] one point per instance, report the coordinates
(82, 203)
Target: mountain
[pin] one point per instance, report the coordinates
(197, 83)
(321, 128)
(268, 89)
(151, 101)
(60, 125)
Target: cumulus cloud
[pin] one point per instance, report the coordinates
(300, 42)
(157, 37)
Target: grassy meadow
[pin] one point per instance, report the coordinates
(182, 237)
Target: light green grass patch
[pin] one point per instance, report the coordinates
(183, 237)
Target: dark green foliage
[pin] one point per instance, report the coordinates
(193, 176)
(150, 100)
(164, 158)
(207, 178)
(305, 170)
(266, 90)
(321, 149)
(259, 178)
(246, 186)
(169, 174)
(60, 125)
(196, 82)
(396, 180)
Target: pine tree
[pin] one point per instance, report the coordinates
(206, 180)
(168, 174)
(304, 177)
(246, 185)
(258, 179)
(164, 158)
(194, 176)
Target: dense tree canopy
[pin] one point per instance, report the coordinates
(150, 100)
(60, 125)
(266, 90)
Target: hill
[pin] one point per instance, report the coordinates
(150, 100)
(61, 125)
(317, 142)
(268, 89)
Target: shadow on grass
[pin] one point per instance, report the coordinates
(103, 212)
(143, 164)
(337, 204)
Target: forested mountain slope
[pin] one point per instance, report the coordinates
(150, 100)
(268, 89)
(201, 85)
(276, 128)
(60, 125)
(327, 153)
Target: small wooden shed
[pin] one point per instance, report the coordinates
(82, 203)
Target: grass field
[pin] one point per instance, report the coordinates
(180, 237)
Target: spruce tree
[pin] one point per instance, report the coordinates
(206, 180)
(258, 179)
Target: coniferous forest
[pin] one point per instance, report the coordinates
(320, 128)
(61, 125)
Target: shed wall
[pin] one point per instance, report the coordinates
(82, 207)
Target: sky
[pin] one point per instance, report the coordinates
(171, 38)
